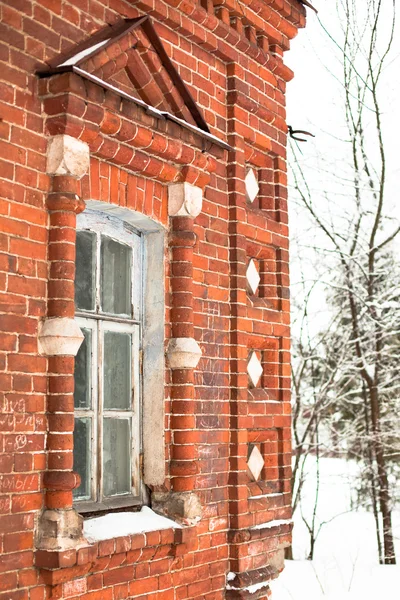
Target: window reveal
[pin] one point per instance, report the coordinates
(107, 387)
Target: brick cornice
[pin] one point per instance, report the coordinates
(225, 40)
(123, 134)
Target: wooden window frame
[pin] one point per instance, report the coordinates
(98, 322)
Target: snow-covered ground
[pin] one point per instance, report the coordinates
(345, 566)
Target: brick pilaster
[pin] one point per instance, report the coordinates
(183, 419)
(63, 204)
(60, 526)
(185, 203)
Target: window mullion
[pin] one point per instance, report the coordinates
(136, 396)
(136, 277)
(98, 448)
(100, 391)
(94, 457)
(87, 413)
(98, 268)
(106, 317)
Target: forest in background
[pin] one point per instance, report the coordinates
(345, 269)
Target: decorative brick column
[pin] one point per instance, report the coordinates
(259, 478)
(60, 525)
(183, 354)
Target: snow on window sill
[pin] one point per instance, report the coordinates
(126, 523)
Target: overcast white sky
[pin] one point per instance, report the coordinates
(315, 103)
(315, 96)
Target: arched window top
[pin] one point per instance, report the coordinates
(139, 221)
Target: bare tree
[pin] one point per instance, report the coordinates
(351, 367)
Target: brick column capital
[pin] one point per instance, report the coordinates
(183, 353)
(184, 200)
(67, 156)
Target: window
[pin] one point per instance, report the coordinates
(108, 387)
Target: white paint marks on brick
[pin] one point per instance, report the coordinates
(74, 588)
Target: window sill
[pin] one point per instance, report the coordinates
(135, 545)
(126, 523)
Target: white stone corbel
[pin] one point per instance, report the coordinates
(184, 200)
(183, 353)
(67, 156)
(185, 507)
(60, 336)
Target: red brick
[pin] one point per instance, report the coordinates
(22, 503)
(14, 542)
(26, 363)
(8, 34)
(19, 595)
(74, 588)
(23, 462)
(205, 284)
(17, 324)
(8, 581)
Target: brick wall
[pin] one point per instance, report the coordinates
(230, 55)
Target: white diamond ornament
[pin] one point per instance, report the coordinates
(251, 185)
(255, 463)
(254, 369)
(253, 277)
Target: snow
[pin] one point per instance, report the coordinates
(77, 57)
(345, 566)
(251, 588)
(125, 523)
(274, 523)
(257, 586)
(150, 109)
(265, 496)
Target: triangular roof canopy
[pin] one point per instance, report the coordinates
(129, 58)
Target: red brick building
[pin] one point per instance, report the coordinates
(144, 303)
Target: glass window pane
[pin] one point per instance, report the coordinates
(85, 275)
(82, 454)
(116, 456)
(83, 371)
(117, 370)
(116, 261)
